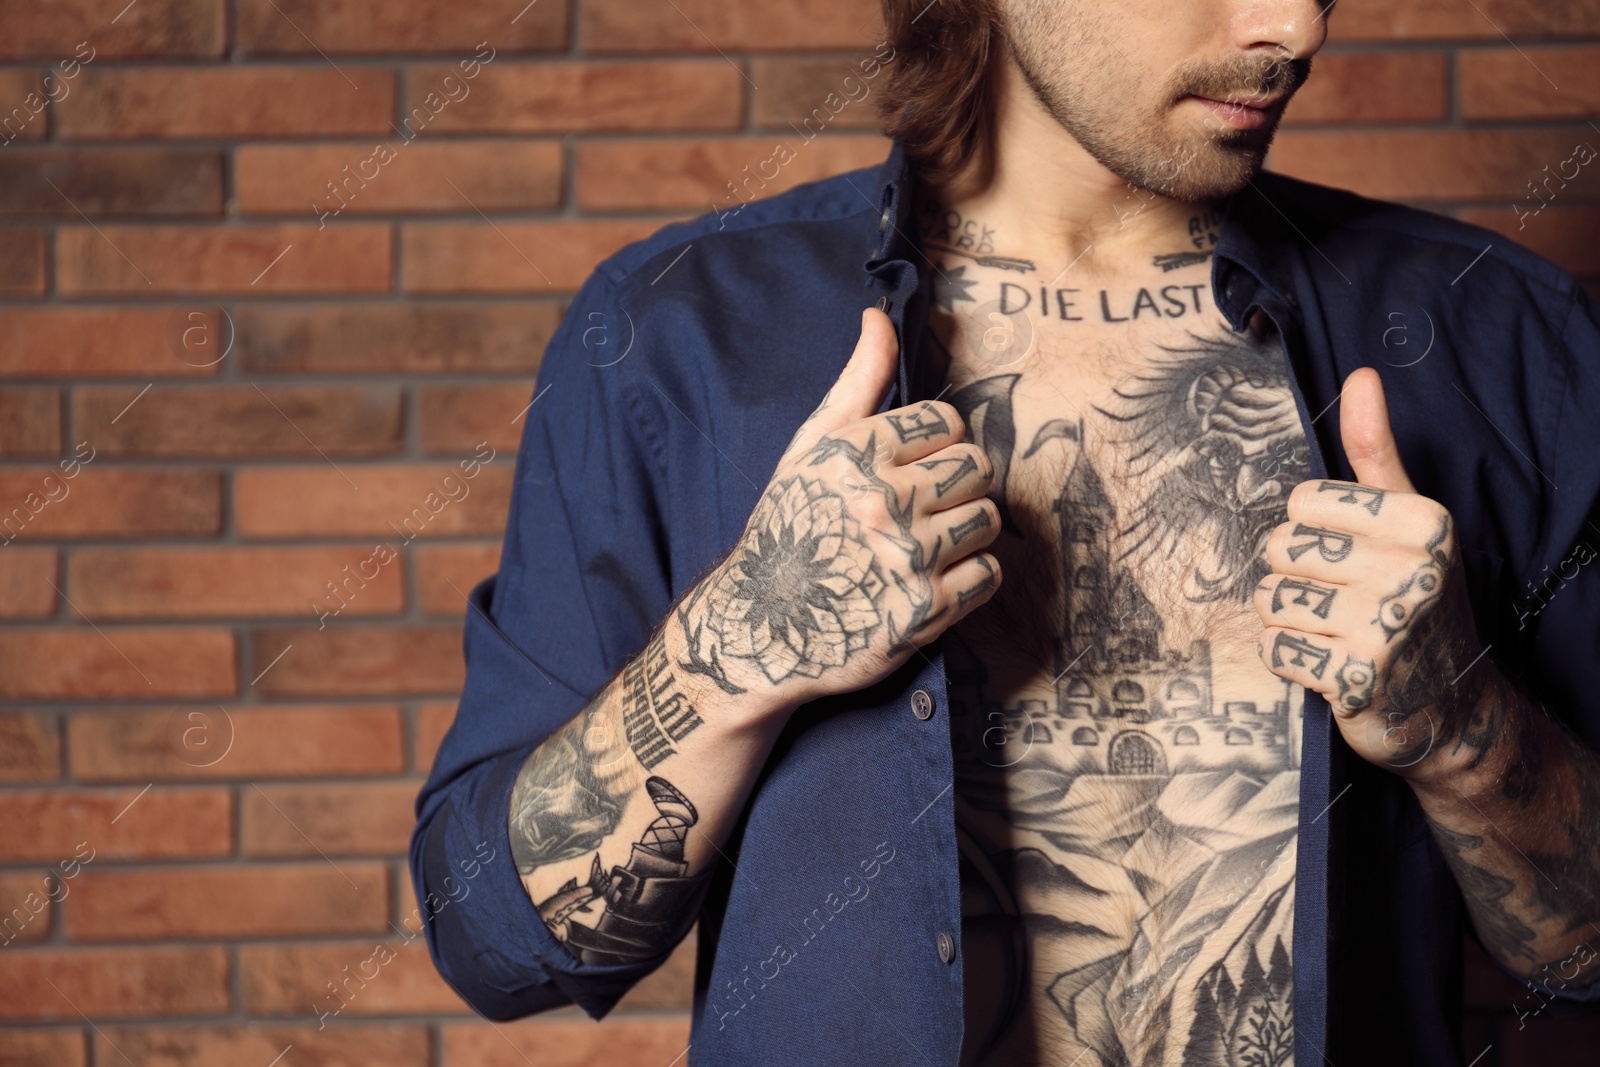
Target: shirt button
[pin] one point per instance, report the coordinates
(922, 708)
(947, 947)
(883, 220)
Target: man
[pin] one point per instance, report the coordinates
(1054, 684)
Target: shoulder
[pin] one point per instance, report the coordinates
(1390, 238)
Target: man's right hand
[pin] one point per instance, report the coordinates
(865, 546)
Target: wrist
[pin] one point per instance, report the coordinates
(1484, 772)
(722, 698)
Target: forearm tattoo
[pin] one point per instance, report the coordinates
(650, 902)
(570, 793)
(654, 711)
(1503, 933)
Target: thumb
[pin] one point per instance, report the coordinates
(1368, 438)
(863, 383)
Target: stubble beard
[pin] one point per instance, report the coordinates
(1185, 157)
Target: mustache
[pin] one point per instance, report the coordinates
(1247, 79)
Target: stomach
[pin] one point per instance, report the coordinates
(1127, 833)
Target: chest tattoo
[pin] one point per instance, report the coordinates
(1127, 807)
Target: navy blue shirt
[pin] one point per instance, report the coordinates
(673, 384)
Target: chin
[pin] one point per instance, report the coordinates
(1216, 170)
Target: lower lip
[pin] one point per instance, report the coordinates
(1239, 116)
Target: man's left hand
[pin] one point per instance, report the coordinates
(1367, 606)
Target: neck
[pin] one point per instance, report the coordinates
(1049, 201)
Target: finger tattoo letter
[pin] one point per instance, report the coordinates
(1366, 496)
(965, 465)
(1332, 545)
(979, 521)
(1305, 590)
(1312, 657)
(926, 422)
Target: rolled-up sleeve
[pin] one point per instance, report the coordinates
(583, 579)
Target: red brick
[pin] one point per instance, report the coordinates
(54, 826)
(254, 1045)
(24, 111)
(582, 95)
(27, 907)
(30, 747)
(98, 502)
(1562, 234)
(85, 663)
(30, 423)
(238, 900)
(242, 421)
(568, 1042)
(376, 26)
(433, 721)
(704, 175)
(22, 264)
(1383, 20)
(1373, 87)
(455, 418)
(701, 25)
(132, 583)
(65, 342)
(1503, 83)
(447, 573)
(249, 741)
(114, 983)
(294, 979)
(247, 259)
(62, 182)
(1422, 165)
(351, 178)
(147, 29)
(350, 819)
(512, 257)
(395, 502)
(227, 101)
(359, 660)
(791, 89)
(43, 1048)
(405, 338)
(25, 577)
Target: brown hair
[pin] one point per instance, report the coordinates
(939, 101)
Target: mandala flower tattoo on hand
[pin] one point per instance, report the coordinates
(801, 594)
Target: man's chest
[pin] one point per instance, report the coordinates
(1126, 769)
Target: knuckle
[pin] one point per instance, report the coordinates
(945, 410)
(1263, 593)
(870, 510)
(986, 470)
(1276, 539)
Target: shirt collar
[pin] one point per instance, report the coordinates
(1249, 267)
(895, 239)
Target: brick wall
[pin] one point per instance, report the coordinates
(240, 344)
